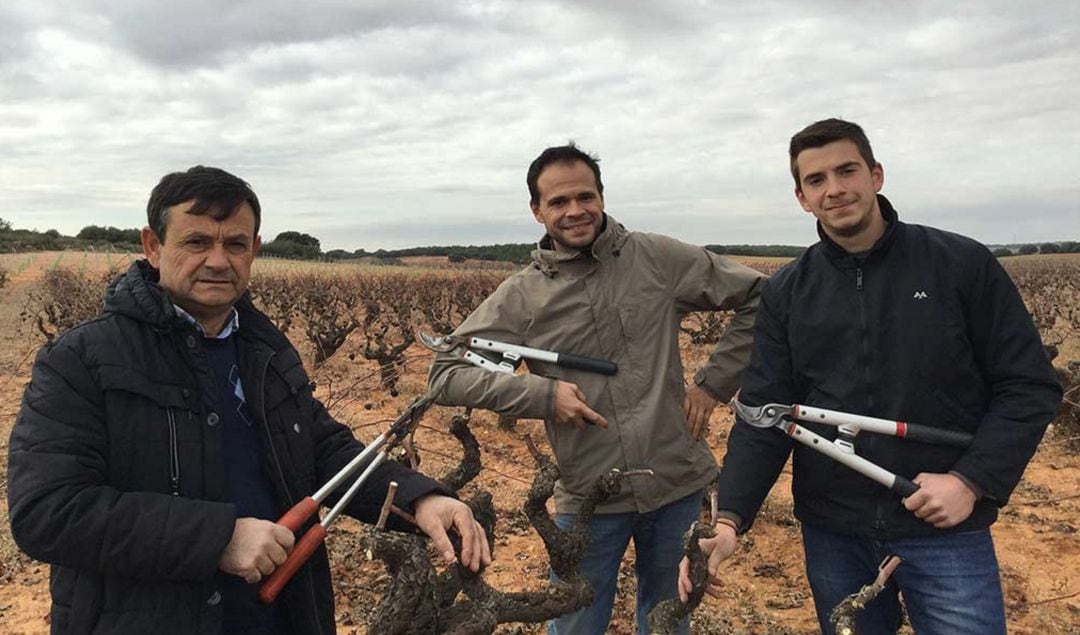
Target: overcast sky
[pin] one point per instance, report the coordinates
(392, 124)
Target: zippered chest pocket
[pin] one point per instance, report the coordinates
(152, 431)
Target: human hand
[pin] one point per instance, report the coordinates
(571, 409)
(716, 549)
(698, 406)
(435, 514)
(943, 500)
(256, 548)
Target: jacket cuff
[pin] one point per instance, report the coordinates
(971, 485)
(412, 486)
(740, 526)
(699, 380)
(224, 523)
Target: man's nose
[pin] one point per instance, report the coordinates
(217, 258)
(834, 186)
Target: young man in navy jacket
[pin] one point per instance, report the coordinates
(903, 322)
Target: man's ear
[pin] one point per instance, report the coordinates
(535, 207)
(878, 176)
(802, 200)
(151, 246)
(255, 245)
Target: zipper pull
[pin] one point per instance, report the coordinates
(858, 279)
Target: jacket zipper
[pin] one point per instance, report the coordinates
(864, 340)
(269, 437)
(174, 454)
(864, 353)
(281, 474)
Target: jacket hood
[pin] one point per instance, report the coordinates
(835, 252)
(136, 294)
(609, 241)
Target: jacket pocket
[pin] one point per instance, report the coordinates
(174, 453)
(77, 600)
(149, 428)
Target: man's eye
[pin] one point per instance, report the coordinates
(237, 248)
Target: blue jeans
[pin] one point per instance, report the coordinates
(658, 544)
(950, 582)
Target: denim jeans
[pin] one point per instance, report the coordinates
(950, 583)
(658, 545)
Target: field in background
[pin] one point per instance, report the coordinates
(353, 325)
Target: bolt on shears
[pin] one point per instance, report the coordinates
(785, 417)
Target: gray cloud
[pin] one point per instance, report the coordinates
(386, 124)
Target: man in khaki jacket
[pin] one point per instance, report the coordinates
(598, 290)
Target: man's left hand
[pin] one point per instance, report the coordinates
(943, 500)
(698, 406)
(435, 514)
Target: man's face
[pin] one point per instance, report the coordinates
(205, 264)
(570, 207)
(838, 188)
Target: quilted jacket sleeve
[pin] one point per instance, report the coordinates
(1024, 392)
(755, 456)
(61, 508)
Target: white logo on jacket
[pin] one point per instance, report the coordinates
(920, 295)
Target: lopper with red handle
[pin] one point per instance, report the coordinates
(374, 455)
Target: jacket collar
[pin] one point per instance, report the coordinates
(881, 246)
(608, 243)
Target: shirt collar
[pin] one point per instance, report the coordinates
(231, 325)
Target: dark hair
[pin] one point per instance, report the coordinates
(568, 153)
(215, 192)
(824, 132)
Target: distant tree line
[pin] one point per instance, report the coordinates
(506, 252)
(1027, 249)
(112, 235)
(293, 245)
(773, 251)
(301, 246)
(12, 240)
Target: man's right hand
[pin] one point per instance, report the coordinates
(257, 547)
(716, 549)
(571, 409)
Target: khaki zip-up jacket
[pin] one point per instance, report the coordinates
(621, 300)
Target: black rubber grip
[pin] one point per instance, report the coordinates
(904, 487)
(937, 436)
(591, 364)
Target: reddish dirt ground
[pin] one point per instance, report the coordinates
(764, 590)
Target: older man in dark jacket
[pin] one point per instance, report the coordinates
(157, 443)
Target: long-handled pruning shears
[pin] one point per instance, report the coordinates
(376, 453)
(471, 350)
(784, 417)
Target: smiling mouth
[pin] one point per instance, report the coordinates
(840, 206)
